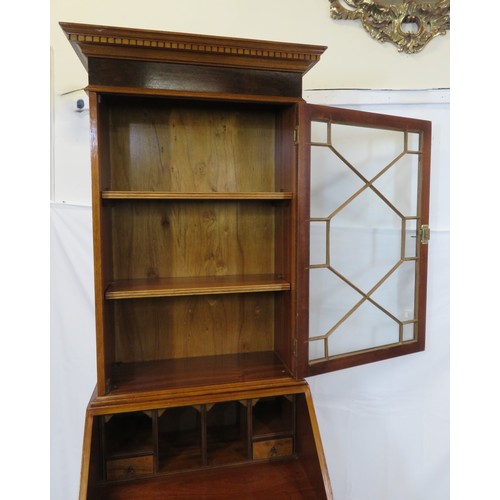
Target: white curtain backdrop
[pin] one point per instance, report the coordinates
(73, 366)
(384, 426)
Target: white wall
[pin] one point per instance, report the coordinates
(384, 426)
(353, 59)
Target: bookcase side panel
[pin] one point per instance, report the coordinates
(99, 128)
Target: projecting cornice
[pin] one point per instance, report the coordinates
(162, 46)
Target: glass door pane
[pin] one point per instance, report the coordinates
(366, 206)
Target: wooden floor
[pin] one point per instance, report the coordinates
(284, 480)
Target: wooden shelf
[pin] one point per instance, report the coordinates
(154, 376)
(163, 195)
(213, 285)
(187, 459)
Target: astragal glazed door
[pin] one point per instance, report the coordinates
(363, 215)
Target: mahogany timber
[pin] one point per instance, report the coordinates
(194, 199)
(178, 373)
(123, 468)
(190, 78)
(158, 398)
(170, 287)
(164, 195)
(152, 239)
(228, 153)
(244, 138)
(92, 41)
(212, 96)
(272, 448)
(273, 417)
(188, 147)
(296, 477)
(280, 480)
(102, 241)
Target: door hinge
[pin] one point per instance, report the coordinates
(295, 348)
(296, 135)
(425, 234)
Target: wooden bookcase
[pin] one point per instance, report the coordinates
(196, 240)
(201, 243)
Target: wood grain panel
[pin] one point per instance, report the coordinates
(125, 468)
(152, 378)
(189, 78)
(272, 448)
(163, 195)
(182, 327)
(285, 235)
(112, 42)
(283, 480)
(162, 145)
(154, 239)
(308, 444)
(174, 287)
(101, 219)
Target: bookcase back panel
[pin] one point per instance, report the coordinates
(179, 443)
(182, 327)
(174, 146)
(152, 239)
(227, 433)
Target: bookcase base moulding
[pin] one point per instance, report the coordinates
(202, 223)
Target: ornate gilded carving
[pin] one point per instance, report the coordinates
(410, 24)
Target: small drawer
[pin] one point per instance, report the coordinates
(122, 468)
(272, 448)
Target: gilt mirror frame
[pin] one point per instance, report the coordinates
(408, 24)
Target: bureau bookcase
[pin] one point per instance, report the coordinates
(201, 181)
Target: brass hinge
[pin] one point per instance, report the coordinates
(425, 234)
(295, 348)
(296, 135)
